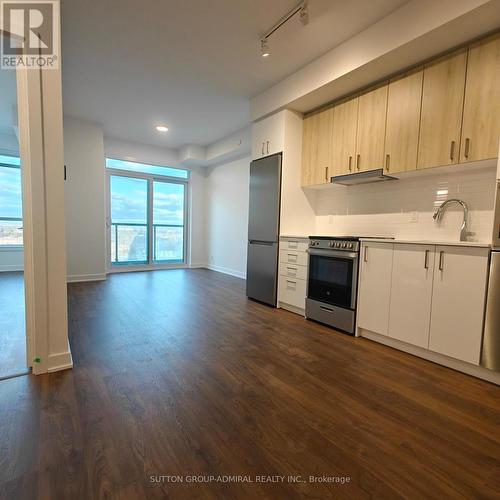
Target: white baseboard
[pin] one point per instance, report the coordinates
(10, 268)
(226, 270)
(440, 359)
(85, 277)
(59, 361)
(198, 266)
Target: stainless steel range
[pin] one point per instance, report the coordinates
(333, 281)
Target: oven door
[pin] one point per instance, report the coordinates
(333, 277)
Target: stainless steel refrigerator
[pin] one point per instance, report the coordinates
(263, 229)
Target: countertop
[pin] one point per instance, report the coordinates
(431, 242)
(294, 236)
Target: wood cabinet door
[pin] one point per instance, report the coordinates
(442, 107)
(404, 99)
(370, 137)
(375, 286)
(316, 148)
(345, 123)
(411, 293)
(458, 302)
(481, 123)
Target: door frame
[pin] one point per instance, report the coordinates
(151, 178)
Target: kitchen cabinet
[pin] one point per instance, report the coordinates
(441, 114)
(292, 282)
(316, 148)
(458, 302)
(268, 136)
(345, 124)
(411, 293)
(481, 119)
(404, 100)
(375, 286)
(370, 136)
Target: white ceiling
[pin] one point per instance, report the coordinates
(190, 64)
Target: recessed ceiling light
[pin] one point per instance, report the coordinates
(161, 128)
(264, 48)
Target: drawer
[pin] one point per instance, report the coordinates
(293, 257)
(299, 244)
(292, 291)
(293, 271)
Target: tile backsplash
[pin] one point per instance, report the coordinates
(404, 208)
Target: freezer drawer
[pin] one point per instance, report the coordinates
(262, 272)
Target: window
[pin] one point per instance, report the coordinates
(147, 214)
(11, 206)
(147, 169)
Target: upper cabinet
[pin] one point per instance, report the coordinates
(316, 148)
(345, 124)
(442, 105)
(403, 121)
(443, 113)
(481, 123)
(267, 136)
(370, 136)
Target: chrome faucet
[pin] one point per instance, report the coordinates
(464, 230)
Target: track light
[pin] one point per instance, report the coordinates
(301, 9)
(264, 48)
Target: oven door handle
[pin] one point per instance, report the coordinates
(334, 253)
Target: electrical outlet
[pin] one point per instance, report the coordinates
(413, 216)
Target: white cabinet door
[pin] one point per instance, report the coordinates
(268, 136)
(458, 302)
(411, 293)
(375, 286)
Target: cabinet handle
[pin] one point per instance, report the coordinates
(365, 255)
(350, 163)
(467, 145)
(326, 174)
(262, 149)
(441, 261)
(452, 150)
(267, 147)
(327, 309)
(426, 261)
(357, 161)
(387, 161)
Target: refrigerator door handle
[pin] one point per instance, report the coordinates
(261, 242)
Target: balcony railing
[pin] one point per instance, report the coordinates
(11, 231)
(130, 243)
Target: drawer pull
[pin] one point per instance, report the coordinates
(441, 261)
(326, 309)
(293, 244)
(426, 260)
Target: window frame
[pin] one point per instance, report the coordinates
(151, 264)
(13, 247)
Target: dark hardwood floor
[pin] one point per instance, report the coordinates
(12, 324)
(177, 373)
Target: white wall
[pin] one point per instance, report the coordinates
(85, 200)
(404, 208)
(227, 190)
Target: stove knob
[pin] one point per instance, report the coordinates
(350, 245)
(330, 244)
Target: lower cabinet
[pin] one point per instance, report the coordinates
(428, 296)
(292, 282)
(458, 301)
(411, 294)
(375, 286)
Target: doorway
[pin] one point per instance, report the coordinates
(13, 348)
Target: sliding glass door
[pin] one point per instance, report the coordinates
(147, 220)
(129, 220)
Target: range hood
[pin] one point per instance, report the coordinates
(362, 178)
